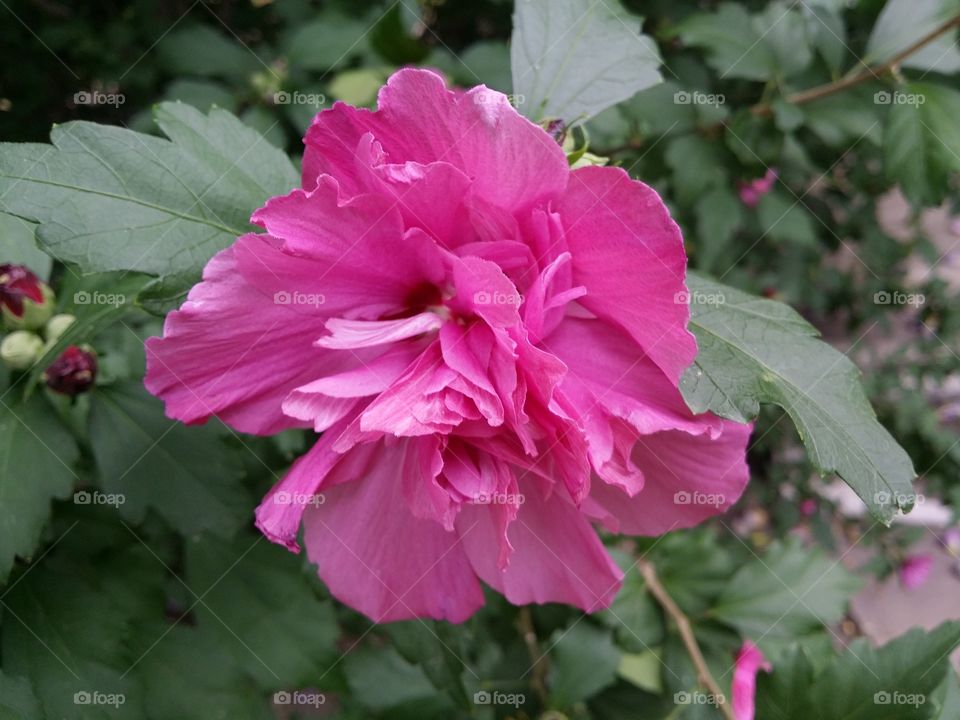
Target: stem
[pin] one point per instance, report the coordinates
(538, 678)
(849, 81)
(705, 678)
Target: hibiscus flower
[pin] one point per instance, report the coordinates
(488, 343)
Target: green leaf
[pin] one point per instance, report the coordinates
(36, 464)
(202, 50)
(486, 62)
(922, 140)
(719, 213)
(784, 692)
(17, 245)
(790, 592)
(65, 631)
(187, 474)
(263, 608)
(167, 293)
(697, 166)
(571, 59)
(327, 43)
(111, 199)
(380, 678)
(438, 648)
(784, 30)
(895, 682)
(786, 220)
(734, 47)
(17, 701)
(904, 22)
(583, 661)
(188, 676)
(754, 350)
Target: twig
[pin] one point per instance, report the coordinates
(704, 677)
(875, 71)
(538, 678)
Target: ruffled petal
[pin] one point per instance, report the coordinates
(629, 255)
(378, 558)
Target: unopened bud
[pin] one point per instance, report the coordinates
(73, 372)
(21, 349)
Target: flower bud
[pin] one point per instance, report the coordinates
(21, 349)
(73, 372)
(57, 325)
(26, 302)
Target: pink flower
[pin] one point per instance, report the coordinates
(489, 343)
(743, 691)
(915, 570)
(753, 190)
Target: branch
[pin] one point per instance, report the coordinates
(875, 71)
(538, 679)
(705, 678)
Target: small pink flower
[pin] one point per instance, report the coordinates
(915, 570)
(752, 190)
(749, 662)
(488, 343)
(808, 507)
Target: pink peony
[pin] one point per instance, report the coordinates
(489, 343)
(743, 691)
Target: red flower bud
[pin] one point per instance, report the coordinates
(73, 372)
